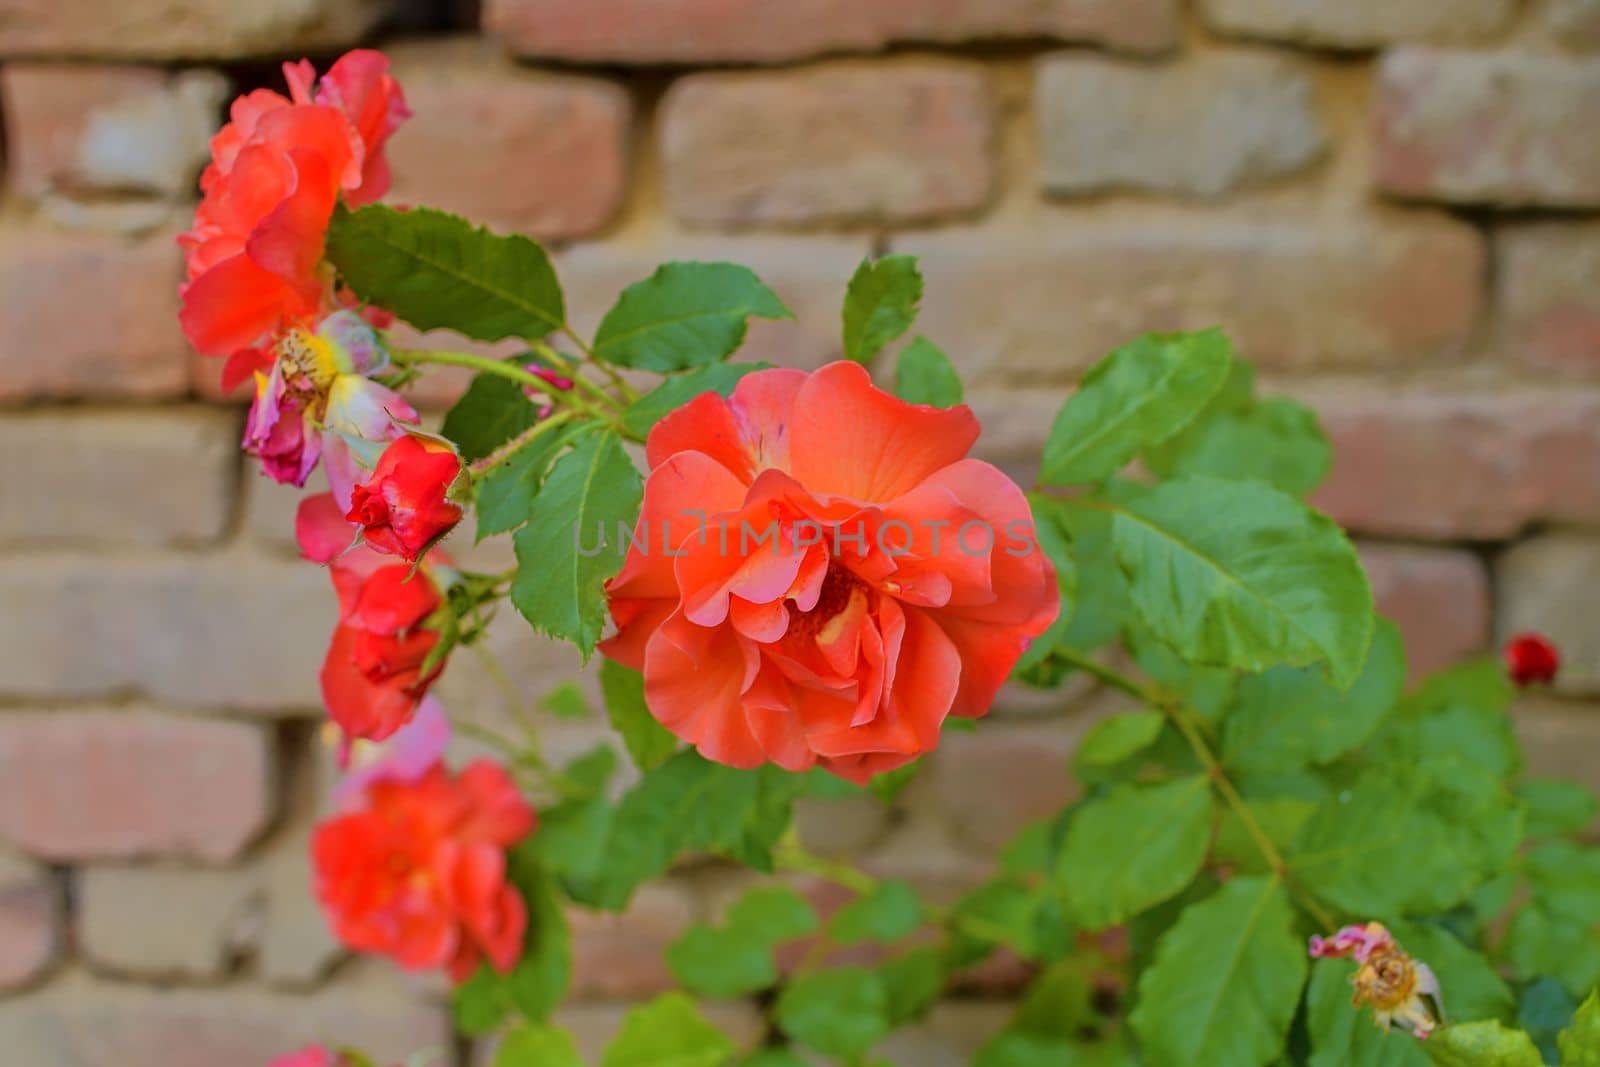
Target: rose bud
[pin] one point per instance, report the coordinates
(1531, 659)
(402, 508)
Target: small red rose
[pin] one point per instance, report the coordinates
(1532, 660)
(402, 508)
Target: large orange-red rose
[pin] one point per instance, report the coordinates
(820, 575)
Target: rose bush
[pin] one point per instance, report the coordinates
(809, 584)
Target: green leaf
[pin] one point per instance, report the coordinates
(537, 1046)
(888, 786)
(1011, 1048)
(566, 701)
(649, 743)
(1545, 1009)
(1237, 574)
(880, 305)
(1279, 817)
(1110, 741)
(1138, 396)
(592, 493)
(684, 315)
(1058, 1003)
(538, 983)
(841, 1012)
(1010, 911)
(1225, 981)
(1565, 877)
(1540, 942)
(1580, 1044)
(506, 491)
(912, 983)
(1555, 807)
(1475, 989)
(668, 1032)
(1344, 1035)
(1035, 666)
(1134, 847)
(892, 910)
(678, 390)
(438, 271)
(1290, 716)
(1482, 1044)
(1277, 441)
(491, 412)
(923, 375)
(736, 959)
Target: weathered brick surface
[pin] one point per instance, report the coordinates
(82, 315)
(206, 631)
(1575, 22)
(1035, 305)
(1513, 129)
(161, 922)
(1547, 584)
(1547, 296)
(839, 143)
(73, 127)
(1202, 127)
(538, 153)
(716, 31)
(1456, 465)
(622, 957)
(1439, 597)
(949, 1037)
(141, 477)
(184, 29)
(83, 1022)
(1359, 23)
(120, 783)
(1560, 738)
(30, 921)
(1031, 760)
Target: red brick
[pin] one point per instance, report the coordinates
(836, 143)
(1547, 295)
(88, 316)
(116, 784)
(183, 29)
(949, 1037)
(1439, 597)
(1547, 584)
(80, 1022)
(622, 957)
(30, 921)
(509, 147)
(74, 127)
(162, 921)
(758, 31)
(198, 631)
(1359, 23)
(131, 477)
(1575, 22)
(1560, 738)
(1036, 301)
(1513, 129)
(1447, 466)
(1031, 760)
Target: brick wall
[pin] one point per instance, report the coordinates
(1394, 207)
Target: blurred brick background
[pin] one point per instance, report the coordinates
(1394, 207)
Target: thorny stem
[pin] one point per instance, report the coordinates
(607, 369)
(487, 365)
(567, 366)
(517, 443)
(1175, 710)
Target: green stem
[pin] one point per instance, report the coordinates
(407, 357)
(569, 367)
(627, 391)
(517, 443)
(1181, 717)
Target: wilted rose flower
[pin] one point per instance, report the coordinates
(417, 871)
(1532, 659)
(402, 507)
(1398, 988)
(820, 575)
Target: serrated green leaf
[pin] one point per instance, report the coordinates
(1565, 877)
(1580, 1043)
(736, 959)
(668, 1032)
(591, 493)
(648, 742)
(1276, 440)
(506, 491)
(1238, 574)
(684, 315)
(1058, 1003)
(892, 910)
(1556, 807)
(1134, 847)
(1036, 667)
(1113, 740)
(1476, 991)
(1012, 1048)
(1289, 717)
(678, 390)
(566, 701)
(923, 375)
(1279, 817)
(1541, 942)
(1544, 1009)
(1482, 1044)
(912, 982)
(537, 1046)
(841, 1012)
(1136, 397)
(491, 412)
(1225, 981)
(1345, 1035)
(880, 305)
(438, 271)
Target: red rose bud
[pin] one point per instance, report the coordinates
(402, 507)
(1532, 660)
(374, 676)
